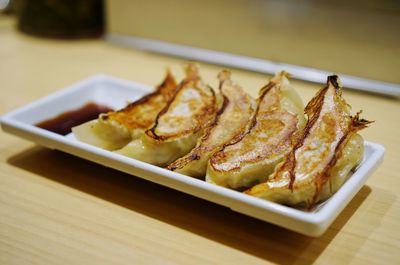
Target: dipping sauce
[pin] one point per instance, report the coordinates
(63, 123)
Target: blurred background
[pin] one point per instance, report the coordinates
(355, 37)
(359, 38)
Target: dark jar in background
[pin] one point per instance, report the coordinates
(60, 18)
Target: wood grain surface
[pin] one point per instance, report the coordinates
(59, 209)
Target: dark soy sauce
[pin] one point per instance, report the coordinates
(63, 123)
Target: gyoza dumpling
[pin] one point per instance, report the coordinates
(231, 121)
(114, 130)
(279, 114)
(323, 156)
(179, 125)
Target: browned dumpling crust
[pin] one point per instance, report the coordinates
(114, 130)
(178, 125)
(142, 113)
(279, 114)
(193, 107)
(230, 123)
(323, 155)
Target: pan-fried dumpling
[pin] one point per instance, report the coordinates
(179, 125)
(323, 155)
(279, 114)
(114, 130)
(230, 123)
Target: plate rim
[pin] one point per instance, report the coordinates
(316, 222)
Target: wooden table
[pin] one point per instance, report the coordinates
(59, 209)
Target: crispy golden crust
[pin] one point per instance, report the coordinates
(190, 110)
(231, 120)
(179, 124)
(268, 136)
(303, 174)
(142, 113)
(198, 151)
(114, 130)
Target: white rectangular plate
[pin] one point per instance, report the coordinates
(115, 93)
